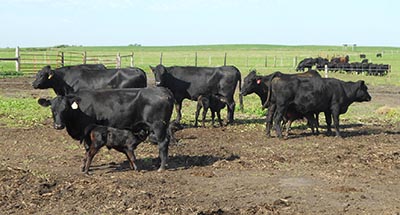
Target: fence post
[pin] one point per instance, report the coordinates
(195, 59)
(132, 62)
(161, 56)
(326, 71)
(62, 59)
(295, 62)
(225, 59)
(266, 61)
(118, 64)
(209, 60)
(84, 57)
(247, 61)
(18, 61)
(274, 61)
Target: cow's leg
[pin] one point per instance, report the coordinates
(163, 153)
(335, 116)
(203, 119)
(89, 157)
(288, 125)
(231, 110)
(219, 118)
(268, 121)
(197, 114)
(278, 119)
(178, 108)
(131, 158)
(328, 119)
(162, 137)
(317, 123)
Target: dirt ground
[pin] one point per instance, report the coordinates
(229, 170)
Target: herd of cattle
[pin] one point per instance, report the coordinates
(343, 64)
(115, 107)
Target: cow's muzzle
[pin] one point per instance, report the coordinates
(158, 83)
(58, 126)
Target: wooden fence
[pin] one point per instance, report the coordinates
(32, 61)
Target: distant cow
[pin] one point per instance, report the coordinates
(306, 63)
(314, 95)
(70, 79)
(135, 109)
(257, 84)
(97, 136)
(188, 82)
(212, 102)
(363, 56)
(378, 54)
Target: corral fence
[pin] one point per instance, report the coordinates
(29, 61)
(32, 61)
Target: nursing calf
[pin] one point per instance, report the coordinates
(136, 110)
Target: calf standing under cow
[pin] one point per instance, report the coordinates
(212, 102)
(124, 141)
(313, 95)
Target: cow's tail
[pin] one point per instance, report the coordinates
(267, 102)
(240, 93)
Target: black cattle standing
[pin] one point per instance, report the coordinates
(311, 95)
(363, 56)
(139, 109)
(378, 54)
(97, 136)
(254, 83)
(190, 82)
(70, 79)
(212, 102)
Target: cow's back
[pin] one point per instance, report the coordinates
(89, 78)
(125, 108)
(191, 82)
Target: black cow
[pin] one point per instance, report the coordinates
(363, 56)
(138, 109)
(212, 102)
(97, 136)
(190, 82)
(306, 63)
(378, 54)
(254, 83)
(314, 95)
(70, 79)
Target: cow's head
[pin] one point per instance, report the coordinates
(60, 107)
(250, 83)
(159, 74)
(362, 94)
(43, 78)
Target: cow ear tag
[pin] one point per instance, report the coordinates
(50, 76)
(74, 105)
(259, 81)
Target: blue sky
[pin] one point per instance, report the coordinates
(37, 23)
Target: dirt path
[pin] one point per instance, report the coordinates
(231, 170)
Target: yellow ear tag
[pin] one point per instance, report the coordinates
(74, 105)
(50, 76)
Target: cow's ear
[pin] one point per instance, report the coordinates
(361, 83)
(51, 74)
(44, 102)
(152, 68)
(258, 80)
(74, 102)
(253, 72)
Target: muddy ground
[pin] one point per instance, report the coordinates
(229, 170)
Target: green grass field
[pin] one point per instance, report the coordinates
(264, 58)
